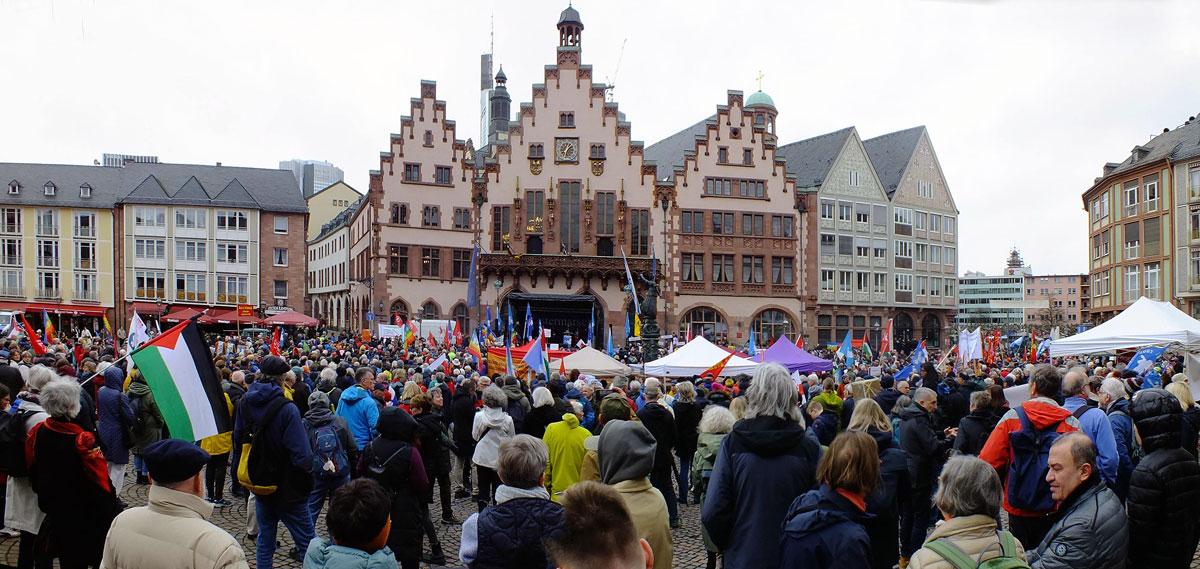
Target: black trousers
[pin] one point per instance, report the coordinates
(214, 476)
(26, 558)
(489, 480)
(915, 520)
(443, 483)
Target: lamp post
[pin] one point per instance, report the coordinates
(666, 206)
(498, 284)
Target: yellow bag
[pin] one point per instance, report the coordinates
(256, 471)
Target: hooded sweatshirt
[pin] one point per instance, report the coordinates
(325, 555)
(565, 441)
(319, 416)
(626, 452)
(490, 427)
(358, 408)
(1043, 413)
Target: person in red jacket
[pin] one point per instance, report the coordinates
(1040, 414)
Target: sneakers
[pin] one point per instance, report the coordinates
(450, 520)
(221, 503)
(10, 532)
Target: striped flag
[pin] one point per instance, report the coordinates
(48, 326)
(184, 382)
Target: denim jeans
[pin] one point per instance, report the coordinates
(139, 465)
(685, 469)
(661, 479)
(322, 490)
(295, 517)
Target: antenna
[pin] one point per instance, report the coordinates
(760, 78)
(492, 35)
(610, 83)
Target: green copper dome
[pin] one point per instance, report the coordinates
(760, 99)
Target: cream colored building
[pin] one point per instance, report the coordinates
(327, 203)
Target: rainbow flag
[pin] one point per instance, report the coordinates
(48, 326)
(474, 350)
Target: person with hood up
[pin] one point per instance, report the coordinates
(715, 424)
(395, 462)
(764, 464)
(884, 503)
(518, 404)
(660, 421)
(115, 427)
(357, 406)
(334, 451)
(358, 530)
(1164, 490)
(829, 398)
(564, 440)
(824, 527)
(490, 427)
(327, 384)
(626, 454)
(973, 429)
(147, 421)
(544, 412)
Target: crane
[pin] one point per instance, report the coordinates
(610, 82)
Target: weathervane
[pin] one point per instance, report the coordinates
(760, 76)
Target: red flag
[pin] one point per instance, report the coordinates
(1032, 346)
(562, 367)
(432, 340)
(715, 371)
(799, 341)
(397, 319)
(38, 348)
(885, 343)
(275, 342)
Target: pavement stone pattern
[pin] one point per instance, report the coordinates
(688, 546)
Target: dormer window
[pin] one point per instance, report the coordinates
(85, 191)
(50, 188)
(1139, 152)
(14, 188)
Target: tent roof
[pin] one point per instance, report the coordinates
(794, 358)
(1145, 323)
(591, 361)
(695, 357)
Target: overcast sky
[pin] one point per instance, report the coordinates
(1024, 101)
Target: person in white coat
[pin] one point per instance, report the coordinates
(491, 426)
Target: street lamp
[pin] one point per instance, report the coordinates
(666, 255)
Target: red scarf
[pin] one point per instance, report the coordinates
(95, 467)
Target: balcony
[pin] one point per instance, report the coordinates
(14, 260)
(48, 293)
(47, 230)
(86, 295)
(11, 228)
(16, 291)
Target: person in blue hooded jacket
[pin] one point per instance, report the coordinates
(1115, 402)
(824, 527)
(115, 428)
(358, 407)
(358, 530)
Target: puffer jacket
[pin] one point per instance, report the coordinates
(884, 503)
(431, 428)
(403, 474)
(925, 450)
(973, 431)
(824, 529)
(763, 465)
(1091, 532)
(361, 413)
(491, 427)
(1122, 427)
(325, 555)
(707, 447)
(462, 418)
(116, 421)
(975, 535)
(1190, 430)
(661, 423)
(1164, 490)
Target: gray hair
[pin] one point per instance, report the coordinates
(522, 460)
(60, 399)
(542, 397)
(968, 486)
(651, 392)
(635, 386)
(980, 399)
(772, 394)
(576, 407)
(1083, 450)
(685, 391)
(328, 373)
(39, 376)
(1074, 382)
(901, 403)
(621, 382)
(716, 420)
(924, 394)
(1115, 388)
(652, 381)
(494, 397)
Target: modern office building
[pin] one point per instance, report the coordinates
(312, 175)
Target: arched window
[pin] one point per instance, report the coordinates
(705, 322)
(931, 330)
(769, 325)
(430, 310)
(399, 307)
(902, 332)
(461, 318)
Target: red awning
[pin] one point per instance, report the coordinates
(181, 314)
(52, 308)
(148, 308)
(291, 318)
(229, 317)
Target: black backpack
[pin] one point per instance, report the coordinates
(12, 442)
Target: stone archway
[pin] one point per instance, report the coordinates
(902, 333)
(931, 331)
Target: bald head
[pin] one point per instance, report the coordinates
(1074, 384)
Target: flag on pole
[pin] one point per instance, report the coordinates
(866, 347)
(276, 339)
(920, 355)
(34, 342)
(48, 326)
(1033, 344)
(474, 350)
(1143, 360)
(529, 324)
(536, 358)
(799, 341)
(509, 369)
(751, 348)
(562, 367)
(611, 351)
(885, 342)
(431, 339)
(904, 373)
(137, 332)
(185, 384)
(512, 329)
(591, 330)
(714, 372)
(637, 325)
(847, 349)
(473, 279)
(632, 289)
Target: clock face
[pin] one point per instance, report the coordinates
(566, 150)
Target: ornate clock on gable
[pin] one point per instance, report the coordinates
(566, 150)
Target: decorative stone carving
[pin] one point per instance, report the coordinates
(597, 168)
(535, 166)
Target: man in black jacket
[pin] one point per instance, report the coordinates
(973, 430)
(1164, 490)
(661, 423)
(926, 449)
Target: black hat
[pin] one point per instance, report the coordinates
(173, 460)
(274, 365)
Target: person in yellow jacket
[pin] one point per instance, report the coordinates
(565, 441)
(218, 447)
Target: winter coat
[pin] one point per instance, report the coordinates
(564, 440)
(589, 410)
(884, 503)
(973, 431)
(539, 418)
(431, 430)
(491, 427)
(1094, 423)
(70, 476)
(462, 418)
(288, 441)
(115, 428)
(146, 412)
(830, 402)
(887, 399)
(924, 447)
(953, 403)
(708, 445)
(661, 423)
(319, 416)
(764, 464)
(1122, 425)
(1091, 532)
(648, 509)
(21, 509)
(687, 424)
(825, 427)
(510, 534)
(330, 389)
(1043, 413)
(1190, 430)
(824, 529)
(403, 476)
(1164, 490)
(975, 535)
(518, 405)
(171, 531)
(361, 413)
(325, 555)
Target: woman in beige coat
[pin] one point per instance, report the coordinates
(968, 496)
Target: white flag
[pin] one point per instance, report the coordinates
(976, 343)
(137, 332)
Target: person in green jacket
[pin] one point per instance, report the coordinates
(829, 398)
(147, 421)
(565, 441)
(715, 424)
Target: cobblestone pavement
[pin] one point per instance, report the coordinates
(688, 547)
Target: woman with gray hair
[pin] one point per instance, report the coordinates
(70, 476)
(715, 424)
(492, 426)
(21, 510)
(968, 496)
(763, 465)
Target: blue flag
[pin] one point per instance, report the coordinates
(847, 349)
(508, 360)
(528, 323)
(904, 373)
(473, 279)
(536, 359)
(919, 355)
(1143, 360)
(751, 349)
(591, 330)
(611, 351)
(511, 328)
(487, 324)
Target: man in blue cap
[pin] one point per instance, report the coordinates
(172, 530)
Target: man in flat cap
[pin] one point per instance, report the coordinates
(173, 529)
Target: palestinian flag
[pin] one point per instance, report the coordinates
(185, 384)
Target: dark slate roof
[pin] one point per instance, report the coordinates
(340, 220)
(107, 185)
(810, 160)
(669, 152)
(229, 186)
(1181, 143)
(890, 154)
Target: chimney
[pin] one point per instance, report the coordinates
(218, 163)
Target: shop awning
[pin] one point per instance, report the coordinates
(291, 318)
(229, 317)
(181, 314)
(53, 308)
(148, 308)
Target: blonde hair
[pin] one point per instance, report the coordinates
(738, 408)
(411, 389)
(1181, 392)
(869, 416)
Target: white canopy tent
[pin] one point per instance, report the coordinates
(695, 357)
(590, 361)
(1145, 323)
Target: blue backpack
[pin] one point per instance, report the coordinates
(1030, 447)
(327, 449)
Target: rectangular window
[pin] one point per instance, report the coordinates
(281, 289)
(752, 224)
(150, 284)
(722, 223)
(880, 285)
(1131, 197)
(412, 172)
(827, 280)
(10, 220)
(722, 268)
(443, 175)
(1152, 237)
(862, 282)
(782, 270)
(904, 248)
(568, 216)
(921, 285)
(729, 187)
(501, 220)
(191, 250)
(190, 218)
(854, 179)
(904, 282)
(150, 249)
(782, 226)
(862, 213)
(949, 258)
(935, 223)
(597, 152)
(1133, 240)
(845, 245)
(191, 286)
(879, 248)
(862, 247)
(149, 217)
(828, 244)
(845, 279)
(1195, 258)
(431, 216)
(1152, 284)
(535, 204)
(639, 231)
(232, 289)
(747, 157)
(232, 253)
(919, 218)
(85, 286)
(280, 257)
(566, 120)
(691, 222)
(431, 262)
(460, 263)
(826, 209)
(1132, 290)
(693, 267)
(399, 213)
(397, 259)
(948, 225)
(537, 151)
(85, 225)
(722, 155)
(47, 223)
(935, 286)
(232, 220)
(10, 251)
(462, 218)
(281, 224)
(845, 211)
(921, 252)
(903, 216)
(1104, 241)
(752, 269)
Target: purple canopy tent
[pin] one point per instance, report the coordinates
(794, 358)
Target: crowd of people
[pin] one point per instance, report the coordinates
(353, 445)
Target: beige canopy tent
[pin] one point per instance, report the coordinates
(591, 361)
